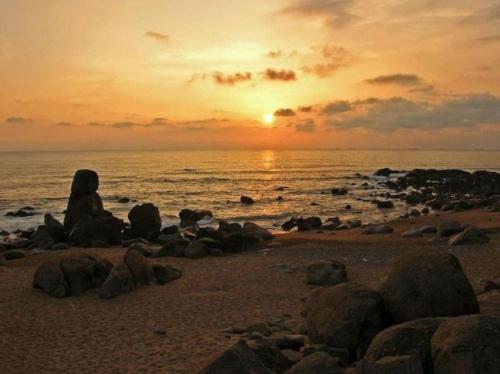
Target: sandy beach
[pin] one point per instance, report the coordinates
(86, 334)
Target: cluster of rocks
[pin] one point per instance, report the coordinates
(88, 224)
(74, 275)
(422, 319)
(315, 223)
(447, 190)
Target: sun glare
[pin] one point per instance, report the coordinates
(268, 119)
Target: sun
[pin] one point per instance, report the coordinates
(268, 119)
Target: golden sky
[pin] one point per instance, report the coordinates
(121, 74)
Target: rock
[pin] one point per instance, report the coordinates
(14, 254)
(326, 273)
(310, 223)
(348, 316)
(377, 229)
(290, 224)
(3, 260)
(270, 356)
(165, 273)
(237, 359)
(252, 229)
(427, 284)
(84, 201)
(21, 213)
(144, 219)
(385, 172)
(467, 344)
(145, 249)
(428, 229)
(54, 228)
(470, 235)
(97, 243)
(229, 227)
(294, 342)
(142, 273)
(191, 217)
(291, 355)
(413, 233)
(123, 200)
(50, 279)
(409, 338)
(84, 272)
(119, 281)
(339, 191)
(175, 247)
(492, 284)
(169, 230)
(103, 228)
(42, 238)
(449, 228)
(319, 362)
(60, 246)
(385, 204)
(200, 248)
(246, 200)
(405, 364)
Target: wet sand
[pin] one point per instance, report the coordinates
(41, 334)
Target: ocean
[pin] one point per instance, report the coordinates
(215, 180)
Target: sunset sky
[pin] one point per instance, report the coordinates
(126, 74)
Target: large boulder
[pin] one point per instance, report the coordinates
(144, 219)
(191, 217)
(85, 182)
(326, 273)
(84, 272)
(54, 228)
(309, 223)
(467, 344)
(119, 281)
(50, 279)
(165, 273)
(319, 362)
(470, 235)
(104, 228)
(240, 358)
(449, 228)
(201, 248)
(42, 238)
(409, 338)
(348, 315)
(427, 284)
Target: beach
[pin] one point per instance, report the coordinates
(87, 334)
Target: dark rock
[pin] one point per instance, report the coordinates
(89, 229)
(428, 229)
(123, 200)
(326, 273)
(290, 224)
(200, 248)
(413, 233)
(191, 217)
(339, 191)
(237, 359)
(3, 260)
(85, 182)
(97, 243)
(449, 228)
(50, 279)
(14, 254)
(54, 228)
(42, 238)
(252, 229)
(467, 344)
(84, 273)
(119, 281)
(20, 213)
(470, 235)
(246, 200)
(427, 284)
(229, 227)
(60, 246)
(142, 273)
(348, 316)
(377, 229)
(310, 223)
(169, 230)
(385, 172)
(409, 338)
(319, 362)
(145, 249)
(165, 273)
(144, 219)
(385, 204)
(175, 248)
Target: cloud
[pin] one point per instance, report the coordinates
(336, 14)
(305, 109)
(279, 53)
(396, 79)
(334, 58)
(387, 115)
(488, 39)
(280, 75)
(231, 79)
(18, 120)
(284, 112)
(339, 106)
(157, 36)
(307, 125)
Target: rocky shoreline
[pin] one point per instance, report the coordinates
(417, 320)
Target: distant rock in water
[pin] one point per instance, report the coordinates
(246, 200)
(339, 191)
